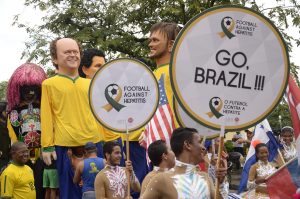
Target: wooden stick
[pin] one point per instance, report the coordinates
(220, 149)
(203, 140)
(280, 156)
(268, 177)
(280, 168)
(128, 158)
(213, 149)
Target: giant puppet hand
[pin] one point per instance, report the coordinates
(48, 155)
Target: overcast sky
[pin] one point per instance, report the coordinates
(12, 38)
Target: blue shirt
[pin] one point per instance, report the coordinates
(91, 168)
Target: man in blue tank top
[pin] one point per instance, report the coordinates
(87, 170)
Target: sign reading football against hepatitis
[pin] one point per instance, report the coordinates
(229, 64)
(123, 91)
(186, 121)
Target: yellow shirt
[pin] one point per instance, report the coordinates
(17, 182)
(11, 131)
(133, 136)
(108, 135)
(66, 117)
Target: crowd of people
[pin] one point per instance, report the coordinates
(59, 150)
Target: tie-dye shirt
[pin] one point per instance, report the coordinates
(192, 184)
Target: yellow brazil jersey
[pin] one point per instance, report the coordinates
(108, 135)
(66, 117)
(17, 182)
(133, 136)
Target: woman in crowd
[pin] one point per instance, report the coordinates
(288, 149)
(259, 171)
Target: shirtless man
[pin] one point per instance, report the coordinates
(162, 159)
(111, 182)
(186, 179)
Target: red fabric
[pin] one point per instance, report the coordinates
(202, 166)
(294, 100)
(293, 96)
(296, 196)
(281, 185)
(162, 124)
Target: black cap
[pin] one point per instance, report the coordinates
(89, 146)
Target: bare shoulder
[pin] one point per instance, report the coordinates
(146, 180)
(254, 166)
(101, 175)
(160, 186)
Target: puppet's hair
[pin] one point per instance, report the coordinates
(27, 74)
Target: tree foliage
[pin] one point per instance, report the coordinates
(120, 27)
(280, 117)
(3, 86)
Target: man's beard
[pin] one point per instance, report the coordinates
(159, 54)
(113, 163)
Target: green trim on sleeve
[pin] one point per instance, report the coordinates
(48, 149)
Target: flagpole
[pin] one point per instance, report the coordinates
(281, 157)
(213, 149)
(203, 140)
(280, 168)
(268, 177)
(128, 158)
(220, 149)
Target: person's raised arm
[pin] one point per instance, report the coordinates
(78, 172)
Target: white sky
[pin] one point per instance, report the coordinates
(12, 38)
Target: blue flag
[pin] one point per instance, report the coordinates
(263, 134)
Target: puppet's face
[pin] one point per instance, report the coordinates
(30, 93)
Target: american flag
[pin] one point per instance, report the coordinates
(293, 98)
(162, 124)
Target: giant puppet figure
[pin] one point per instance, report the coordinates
(67, 121)
(23, 106)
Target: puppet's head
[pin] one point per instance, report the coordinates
(25, 85)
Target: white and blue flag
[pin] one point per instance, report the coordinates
(263, 134)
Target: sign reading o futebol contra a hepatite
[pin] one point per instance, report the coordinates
(229, 64)
(123, 91)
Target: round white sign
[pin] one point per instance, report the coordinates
(186, 121)
(124, 91)
(229, 64)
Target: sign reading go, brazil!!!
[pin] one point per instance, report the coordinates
(229, 67)
(123, 92)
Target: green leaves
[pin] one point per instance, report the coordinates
(3, 86)
(120, 27)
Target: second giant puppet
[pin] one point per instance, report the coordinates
(23, 106)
